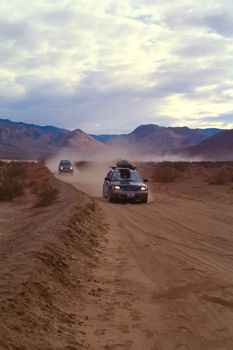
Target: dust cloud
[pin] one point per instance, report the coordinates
(90, 178)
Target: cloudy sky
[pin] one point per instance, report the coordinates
(108, 66)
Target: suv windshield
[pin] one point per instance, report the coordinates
(65, 162)
(126, 175)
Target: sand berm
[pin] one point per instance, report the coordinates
(46, 261)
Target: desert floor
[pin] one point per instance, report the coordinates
(88, 274)
(166, 276)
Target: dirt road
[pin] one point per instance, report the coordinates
(165, 280)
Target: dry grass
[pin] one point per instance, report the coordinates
(214, 165)
(181, 166)
(17, 177)
(220, 177)
(212, 173)
(10, 188)
(165, 172)
(12, 180)
(46, 194)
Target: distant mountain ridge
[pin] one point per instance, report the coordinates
(217, 147)
(78, 139)
(106, 137)
(29, 141)
(152, 138)
(47, 128)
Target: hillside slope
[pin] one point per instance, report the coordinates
(156, 139)
(218, 147)
(78, 139)
(28, 141)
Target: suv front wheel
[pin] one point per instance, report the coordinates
(110, 198)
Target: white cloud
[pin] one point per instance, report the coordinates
(87, 63)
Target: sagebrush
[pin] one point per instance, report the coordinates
(46, 194)
(165, 172)
(18, 177)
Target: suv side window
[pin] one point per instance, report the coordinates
(109, 174)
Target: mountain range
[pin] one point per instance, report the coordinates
(28, 141)
(152, 138)
(217, 147)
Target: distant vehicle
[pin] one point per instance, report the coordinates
(65, 167)
(123, 182)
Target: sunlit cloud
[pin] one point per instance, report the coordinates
(109, 66)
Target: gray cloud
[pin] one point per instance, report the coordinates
(220, 23)
(18, 34)
(89, 105)
(225, 119)
(218, 20)
(222, 121)
(116, 66)
(183, 80)
(200, 47)
(10, 30)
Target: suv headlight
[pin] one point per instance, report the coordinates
(143, 188)
(116, 187)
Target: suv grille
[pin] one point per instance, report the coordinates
(131, 188)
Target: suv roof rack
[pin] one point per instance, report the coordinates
(124, 164)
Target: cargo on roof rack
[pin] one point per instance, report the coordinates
(124, 164)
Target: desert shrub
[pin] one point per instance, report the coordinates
(165, 172)
(34, 186)
(17, 170)
(10, 188)
(2, 163)
(42, 161)
(46, 194)
(219, 177)
(15, 177)
(208, 164)
(12, 180)
(37, 174)
(181, 166)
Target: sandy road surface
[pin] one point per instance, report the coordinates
(166, 276)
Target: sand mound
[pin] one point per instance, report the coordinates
(46, 256)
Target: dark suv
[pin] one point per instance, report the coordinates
(65, 167)
(123, 182)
